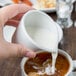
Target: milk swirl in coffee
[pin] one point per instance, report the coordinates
(36, 66)
(45, 39)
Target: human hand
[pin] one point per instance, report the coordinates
(11, 15)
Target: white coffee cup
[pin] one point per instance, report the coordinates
(40, 19)
(62, 52)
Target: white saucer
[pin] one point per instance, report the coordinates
(73, 74)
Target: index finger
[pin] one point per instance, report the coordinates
(11, 11)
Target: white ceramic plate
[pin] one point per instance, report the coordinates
(48, 10)
(52, 9)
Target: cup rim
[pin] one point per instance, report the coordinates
(59, 51)
(29, 37)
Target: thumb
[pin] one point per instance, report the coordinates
(19, 51)
(14, 50)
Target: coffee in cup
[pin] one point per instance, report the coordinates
(39, 66)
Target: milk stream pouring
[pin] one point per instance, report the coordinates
(46, 39)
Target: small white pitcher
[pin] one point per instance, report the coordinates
(40, 19)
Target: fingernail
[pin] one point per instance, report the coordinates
(30, 54)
